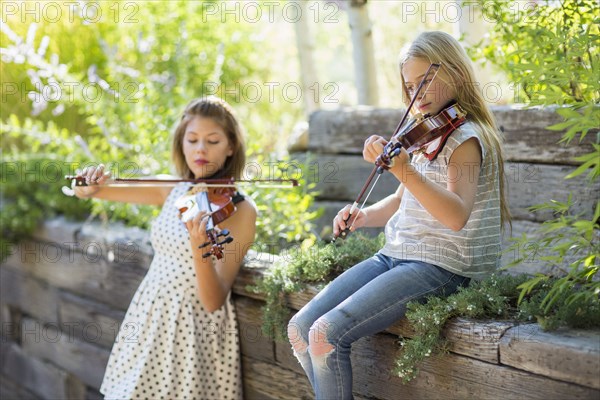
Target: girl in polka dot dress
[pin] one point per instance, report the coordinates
(179, 338)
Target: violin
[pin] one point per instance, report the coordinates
(429, 131)
(219, 204)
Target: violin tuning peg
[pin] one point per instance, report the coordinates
(228, 239)
(203, 245)
(207, 254)
(224, 232)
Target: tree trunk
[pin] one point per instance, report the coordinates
(472, 27)
(305, 45)
(364, 54)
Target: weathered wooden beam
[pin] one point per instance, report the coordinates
(450, 376)
(265, 381)
(253, 342)
(476, 339)
(567, 355)
(90, 321)
(341, 177)
(115, 243)
(11, 389)
(28, 294)
(344, 131)
(87, 274)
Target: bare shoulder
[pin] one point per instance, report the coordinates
(468, 151)
(247, 209)
(242, 224)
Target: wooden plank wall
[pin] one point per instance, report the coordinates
(535, 166)
(60, 314)
(488, 359)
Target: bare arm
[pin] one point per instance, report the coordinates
(380, 213)
(216, 277)
(451, 205)
(96, 178)
(374, 216)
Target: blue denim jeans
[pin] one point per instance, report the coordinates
(364, 300)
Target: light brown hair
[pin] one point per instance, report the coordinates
(442, 48)
(221, 113)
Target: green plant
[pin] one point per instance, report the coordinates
(567, 236)
(314, 264)
(25, 200)
(493, 298)
(286, 214)
(560, 67)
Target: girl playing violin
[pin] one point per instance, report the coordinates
(179, 336)
(442, 224)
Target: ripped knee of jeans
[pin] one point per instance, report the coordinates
(318, 343)
(299, 345)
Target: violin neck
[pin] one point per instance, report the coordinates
(204, 204)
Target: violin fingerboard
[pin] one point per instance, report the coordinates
(204, 204)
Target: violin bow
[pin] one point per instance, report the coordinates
(153, 182)
(385, 158)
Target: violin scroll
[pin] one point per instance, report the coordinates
(386, 159)
(216, 248)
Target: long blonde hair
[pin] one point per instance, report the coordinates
(220, 112)
(442, 48)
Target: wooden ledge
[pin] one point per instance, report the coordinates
(566, 355)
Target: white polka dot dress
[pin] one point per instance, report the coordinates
(169, 347)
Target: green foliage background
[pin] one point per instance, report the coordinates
(551, 52)
(111, 91)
